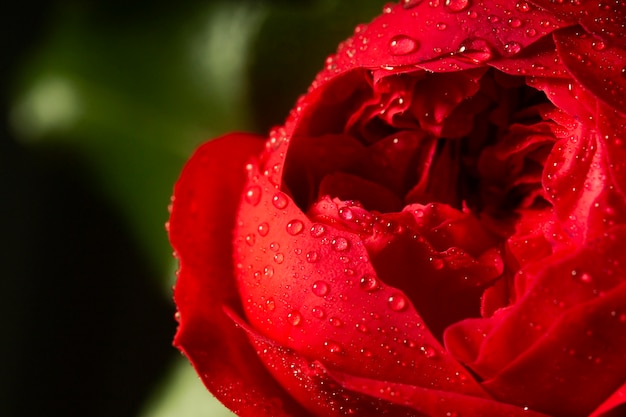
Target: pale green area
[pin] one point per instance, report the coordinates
(184, 395)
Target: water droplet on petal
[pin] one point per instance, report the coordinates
(268, 271)
(369, 283)
(250, 239)
(335, 321)
(280, 200)
(598, 45)
(279, 258)
(264, 229)
(514, 22)
(295, 227)
(366, 353)
(340, 244)
(362, 328)
(317, 312)
(428, 351)
(318, 230)
(253, 195)
(397, 302)
(295, 318)
(320, 288)
(270, 304)
(512, 48)
(346, 213)
(274, 246)
(456, 5)
(437, 263)
(407, 4)
(312, 256)
(332, 347)
(530, 32)
(522, 6)
(402, 45)
(441, 26)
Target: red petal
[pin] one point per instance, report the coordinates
(566, 335)
(612, 406)
(432, 403)
(202, 218)
(311, 287)
(599, 67)
(309, 382)
(603, 19)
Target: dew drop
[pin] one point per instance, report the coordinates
(366, 353)
(397, 302)
(346, 213)
(441, 26)
(369, 283)
(320, 288)
(318, 230)
(264, 229)
(402, 45)
(598, 45)
(312, 256)
(514, 22)
(332, 347)
(340, 244)
(456, 5)
(522, 6)
(279, 258)
(318, 313)
(250, 239)
(268, 271)
(253, 195)
(428, 351)
(586, 278)
(437, 263)
(408, 4)
(295, 227)
(335, 322)
(512, 48)
(295, 318)
(362, 328)
(280, 200)
(531, 32)
(270, 304)
(274, 246)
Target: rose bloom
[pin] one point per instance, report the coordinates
(439, 228)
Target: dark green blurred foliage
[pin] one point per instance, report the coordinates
(102, 102)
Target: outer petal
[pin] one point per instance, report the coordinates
(200, 228)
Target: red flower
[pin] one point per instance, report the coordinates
(439, 229)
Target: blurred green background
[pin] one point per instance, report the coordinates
(102, 103)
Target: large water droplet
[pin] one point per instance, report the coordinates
(253, 195)
(340, 244)
(456, 5)
(369, 283)
(514, 22)
(320, 288)
(280, 200)
(268, 271)
(264, 229)
(522, 6)
(397, 302)
(407, 4)
(346, 213)
(279, 258)
(295, 318)
(476, 50)
(295, 227)
(402, 45)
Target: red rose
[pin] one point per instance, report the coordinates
(439, 229)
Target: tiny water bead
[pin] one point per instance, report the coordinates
(295, 227)
(274, 246)
(428, 351)
(320, 288)
(253, 195)
(312, 256)
(250, 239)
(280, 200)
(318, 312)
(397, 302)
(270, 304)
(402, 45)
(335, 322)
